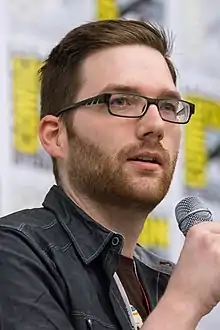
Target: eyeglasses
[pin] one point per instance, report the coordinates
(129, 105)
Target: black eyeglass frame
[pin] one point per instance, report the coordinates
(105, 98)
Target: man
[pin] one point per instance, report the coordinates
(110, 120)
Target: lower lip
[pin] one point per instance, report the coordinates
(145, 165)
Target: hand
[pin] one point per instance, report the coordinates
(195, 281)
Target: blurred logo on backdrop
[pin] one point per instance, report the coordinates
(107, 9)
(155, 235)
(144, 10)
(202, 149)
(26, 150)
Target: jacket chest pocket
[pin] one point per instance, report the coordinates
(83, 321)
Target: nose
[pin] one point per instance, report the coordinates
(151, 125)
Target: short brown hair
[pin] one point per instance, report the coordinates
(60, 73)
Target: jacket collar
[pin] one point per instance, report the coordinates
(88, 236)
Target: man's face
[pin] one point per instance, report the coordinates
(102, 149)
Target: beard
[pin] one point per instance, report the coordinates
(103, 178)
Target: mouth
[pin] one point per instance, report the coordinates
(148, 158)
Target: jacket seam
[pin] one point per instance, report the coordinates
(78, 313)
(50, 225)
(52, 246)
(94, 255)
(29, 238)
(158, 268)
(157, 288)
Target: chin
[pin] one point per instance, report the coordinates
(146, 199)
(152, 193)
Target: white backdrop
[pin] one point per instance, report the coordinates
(29, 29)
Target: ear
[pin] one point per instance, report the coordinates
(52, 135)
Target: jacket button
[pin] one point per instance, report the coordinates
(115, 241)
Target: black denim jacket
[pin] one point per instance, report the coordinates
(57, 266)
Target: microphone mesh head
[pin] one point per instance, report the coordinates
(191, 211)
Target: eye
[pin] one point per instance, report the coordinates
(126, 104)
(171, 106)
(120, 101)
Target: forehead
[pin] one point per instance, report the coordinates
(138, 66)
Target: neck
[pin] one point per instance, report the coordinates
(128, 222)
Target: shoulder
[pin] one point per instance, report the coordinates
(36, 229)
(155, 272)
(154, 261)
(35, 218)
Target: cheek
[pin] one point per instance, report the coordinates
(104, 131)
(171, 140)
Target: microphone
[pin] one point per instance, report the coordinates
(191, 211)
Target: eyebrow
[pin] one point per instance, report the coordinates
(166, 93)
(120, 88)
